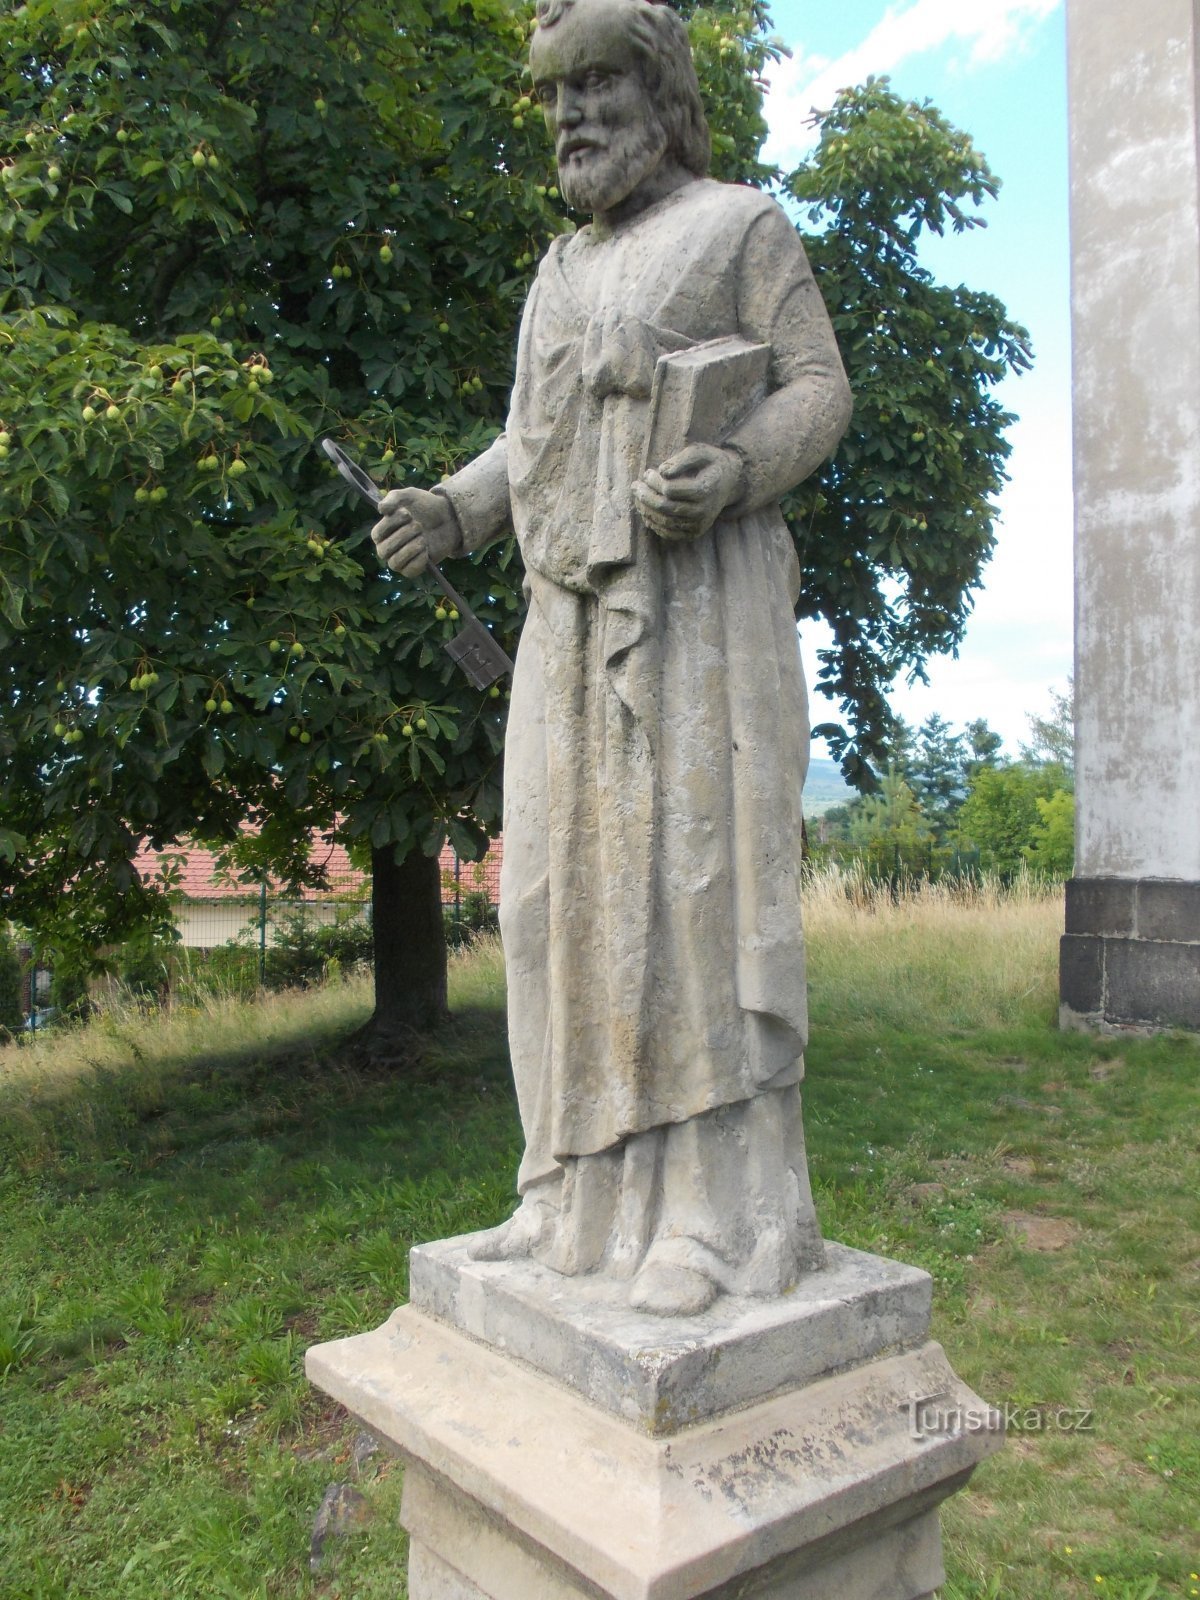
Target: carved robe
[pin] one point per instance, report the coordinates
(658, 733)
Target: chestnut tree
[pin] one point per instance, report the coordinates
(228, 228)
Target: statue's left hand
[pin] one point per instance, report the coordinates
(682, 498)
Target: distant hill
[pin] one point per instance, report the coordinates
(825, 787)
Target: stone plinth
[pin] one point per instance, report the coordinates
(559, 1446)
(1131, 955)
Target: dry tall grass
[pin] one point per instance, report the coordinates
(126, 1032)
(953, 954)
(140, 1051)
(79, 1085)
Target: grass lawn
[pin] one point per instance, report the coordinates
(189, 1201)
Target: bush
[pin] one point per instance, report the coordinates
(230, 970)
(1053, 849)
(304, 952)
(143, 964)
(475, 914)
(1001, 817)
(12, 1015)
(69, 997)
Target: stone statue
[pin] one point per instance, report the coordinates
(658, 738)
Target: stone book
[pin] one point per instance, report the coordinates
(700, 394)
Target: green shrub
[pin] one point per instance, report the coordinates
(12, 1015)
(1053, 849)
(303, 952)
(230, 969)
(68, 991)
(474, 914)
(143, 964)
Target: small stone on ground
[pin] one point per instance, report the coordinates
(343, 1510)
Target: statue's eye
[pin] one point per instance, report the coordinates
(544, 93)
(596, 80)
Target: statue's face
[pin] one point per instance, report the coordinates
(607, 138)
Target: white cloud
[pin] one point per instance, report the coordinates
(984, 31)
(1018, 644)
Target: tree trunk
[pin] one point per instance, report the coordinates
(410, 950)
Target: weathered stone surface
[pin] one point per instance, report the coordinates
(677, 374)
(1169, 910)
(1101, 906)
(665, 1374)
(528, 1492)
(1134, 908)
(1153, 982)
(1138, 964)
(1135, 236)
(1135, 227)
(1081, 974)
(901, 1561)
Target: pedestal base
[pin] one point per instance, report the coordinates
(674, 1459)
(1130, 958)
(904, 1560)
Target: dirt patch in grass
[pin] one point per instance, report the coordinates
(1041, 1233)
(1102, 1071)
(1019, 1166)
(920, 1193)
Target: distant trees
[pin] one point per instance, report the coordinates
(940, 764)
(1001, 817)
(931, 766)
(937, 772)
(949, 795)
(1053, 736)
(892, 816)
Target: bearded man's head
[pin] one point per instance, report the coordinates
(667, 122)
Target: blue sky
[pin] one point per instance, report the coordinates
(997, 69)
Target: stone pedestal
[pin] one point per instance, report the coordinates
(1130, 957)
(560, 1446)
(1131, 954)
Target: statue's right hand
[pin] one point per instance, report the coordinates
(415, 528)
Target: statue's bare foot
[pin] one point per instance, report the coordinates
(669, 1289)
(530, 1227)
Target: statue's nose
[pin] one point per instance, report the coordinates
(567, 110)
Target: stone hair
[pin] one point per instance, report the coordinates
(664, 54)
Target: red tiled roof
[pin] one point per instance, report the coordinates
(198, 877)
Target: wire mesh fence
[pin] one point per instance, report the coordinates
(235, 936)
(290, 931)
(210, 912)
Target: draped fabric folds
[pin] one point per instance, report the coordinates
(657, 745)
(661, 688)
